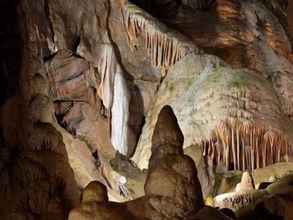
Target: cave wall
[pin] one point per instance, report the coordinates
(92, 84)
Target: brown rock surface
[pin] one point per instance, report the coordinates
(209, 213)
(289, 211)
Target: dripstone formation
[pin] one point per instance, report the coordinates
(172, 189)
(146, 109)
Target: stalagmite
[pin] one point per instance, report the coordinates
(271, 154)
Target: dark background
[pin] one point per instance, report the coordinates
(10, 49)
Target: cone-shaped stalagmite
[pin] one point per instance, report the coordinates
(172, 188)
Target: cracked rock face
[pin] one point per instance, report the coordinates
(112, 90)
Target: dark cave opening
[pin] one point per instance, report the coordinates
(10, 49)
(156, 7)
(164, 9)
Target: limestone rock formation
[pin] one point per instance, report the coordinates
(172, 189)
(95, 205)
(273, 198)
(233, 112)
(117, 91)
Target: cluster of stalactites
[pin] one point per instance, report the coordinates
(240, 146)
(163, 49)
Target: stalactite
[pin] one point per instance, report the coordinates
(238, 149)
(107, 67)
(120, 114)
(233, 149)
(264, 155)
(257, 153)
(218, 150)
(243, 146)
(251, 150)
(243, 158)
(163, 49)
(227, 148)
(247, 151)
